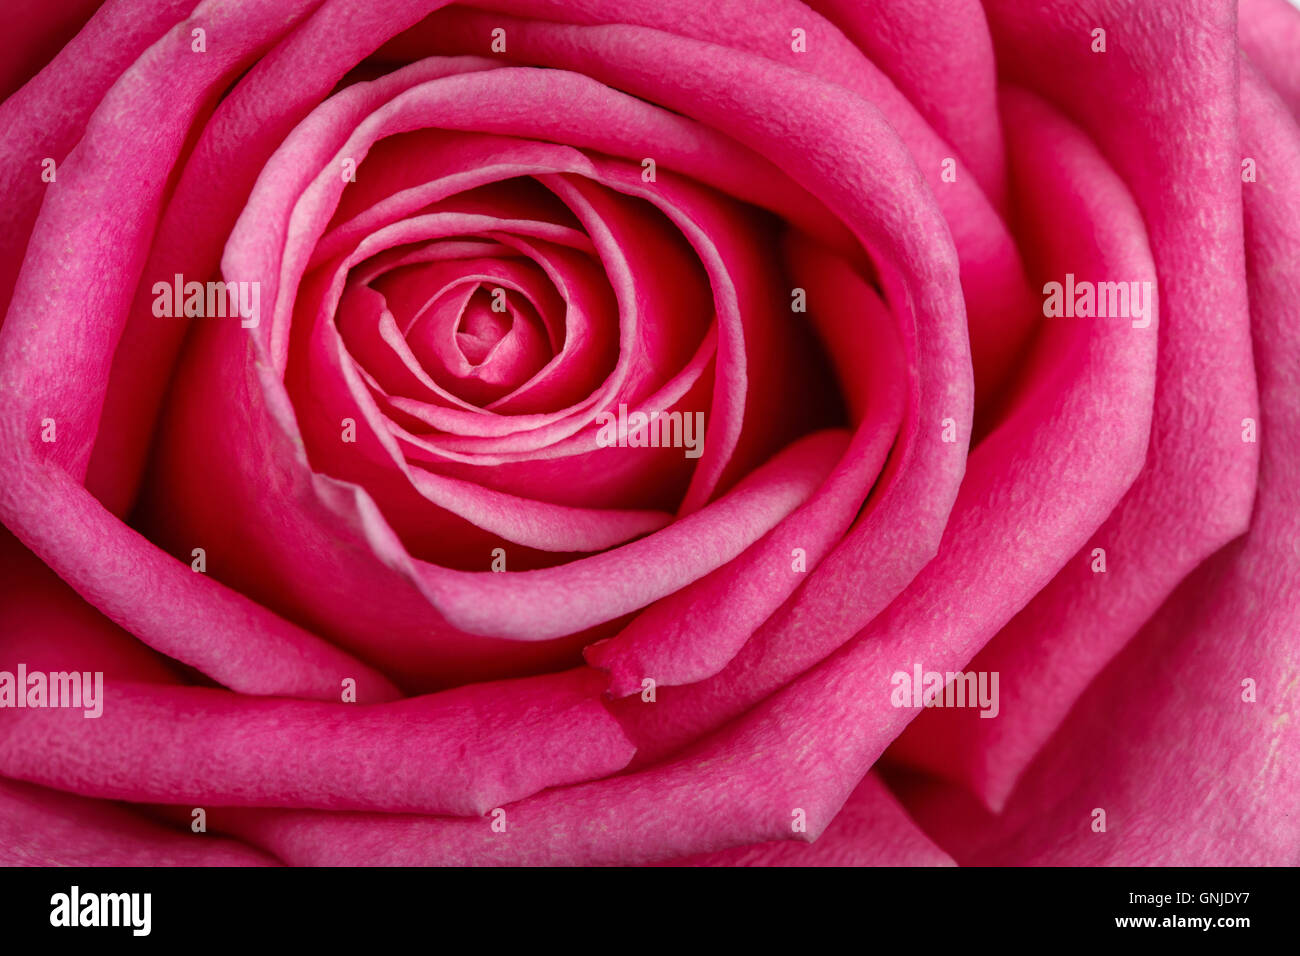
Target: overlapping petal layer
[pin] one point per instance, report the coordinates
(388, 563)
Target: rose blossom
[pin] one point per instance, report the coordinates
(567, 432)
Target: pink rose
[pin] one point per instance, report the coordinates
(571, 431)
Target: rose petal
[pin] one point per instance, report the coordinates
(463, 751)
(997, 295)
(277, 91)
(872, 829)
(41, 827)
(48, 115)
(1199, 775)
(1269, 32)
(1195, 492)
(695, 632)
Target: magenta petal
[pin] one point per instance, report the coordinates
(1057, 465)
(187, 616)
(463, 751)
(57, 367)
(393, 483)
(49, 114)
(695, 632)
(998, 300)
(49, 627)
(1269, 31)
(1207, 768)
(40, 827)
(1196, 488)
(956, 93)
(871, 829)
(281, 88)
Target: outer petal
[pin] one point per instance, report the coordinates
(1198, 775)
(47, 117)
(54, 365)
(1033, 491)
(40, 827)
(871, 829)
(1269, 31)
(1195, 492)
(247, 125)
(464, 751)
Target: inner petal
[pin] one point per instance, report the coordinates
(481, 326)
(479, 340)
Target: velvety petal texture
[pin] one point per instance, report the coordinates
(565, 432)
